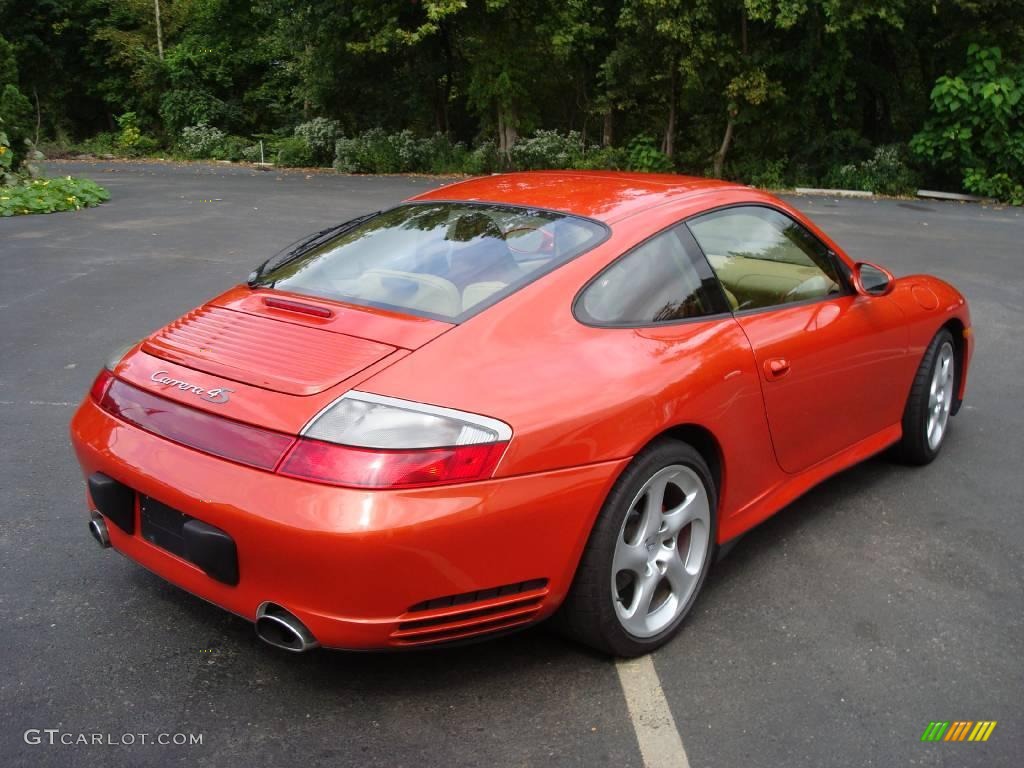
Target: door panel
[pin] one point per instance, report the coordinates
(828, 372)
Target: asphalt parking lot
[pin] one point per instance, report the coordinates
(830, 635)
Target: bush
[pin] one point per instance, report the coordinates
(643, 155)
(976, 130)
(200, 141)
(131, 141)
(230, 148)
(604, 159)
(757, 172)
(547, 149)
(293, 152)
(885, 173)
(438, 154)
(376, 151)
(320, 135)
(484, 159)
(50, 195)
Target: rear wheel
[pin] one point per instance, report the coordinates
(648, 554)
(926, 416)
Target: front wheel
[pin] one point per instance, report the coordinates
(926, 416)
(648, 554)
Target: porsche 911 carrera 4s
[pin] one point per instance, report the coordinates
(531, 395)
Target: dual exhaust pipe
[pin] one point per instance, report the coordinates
(275, 625)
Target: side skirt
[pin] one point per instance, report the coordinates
(790, 489)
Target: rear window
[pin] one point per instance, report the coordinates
(442, 260)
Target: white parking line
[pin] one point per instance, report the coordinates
(660, 743)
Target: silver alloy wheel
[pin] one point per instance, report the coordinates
(661, 550)
(940, 396)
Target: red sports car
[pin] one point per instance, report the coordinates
(508, 398)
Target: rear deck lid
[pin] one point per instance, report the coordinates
(294, 358)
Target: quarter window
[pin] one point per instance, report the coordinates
(763, 258)
(664, 279)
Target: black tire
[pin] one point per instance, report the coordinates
(914, 447)
(588, 613)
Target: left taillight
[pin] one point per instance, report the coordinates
(100, 385)
(364, 440)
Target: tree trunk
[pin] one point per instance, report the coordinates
(668, 144)
(159, 31)
(608, 129)
(507, 133)
(724, 149)
(39, 114)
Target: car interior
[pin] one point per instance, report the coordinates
(763, 258)
(462, 262)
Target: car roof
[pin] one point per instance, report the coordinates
(607, 196)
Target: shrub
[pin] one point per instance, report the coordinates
(437, 154)
(757, 172)
(200, 141)
(485, 158)
(547, 149)
(293, 152)
(604, 159)
(643, 155)
(231, 148)
(130, 140)
(376, 151)
(977, 126)
(320, 135)
(885, 172)
(50, 195)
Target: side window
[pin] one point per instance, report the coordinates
(763, 258)
(662, 280)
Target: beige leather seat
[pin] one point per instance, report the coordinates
(477, 292)
(411, 290)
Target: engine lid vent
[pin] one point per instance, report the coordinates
(282, 356)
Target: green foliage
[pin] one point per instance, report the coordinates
(293, 152)
(200, 141)
(757, 172)
(320, 135)
(376, 151)
(643, 155)
(885, 173)
(548, 149)
(130, 141)
(50, 195)
(977, 125)
(763, 91)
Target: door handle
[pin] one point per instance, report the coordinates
(776, 368)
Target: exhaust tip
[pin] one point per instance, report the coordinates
(98, 530)
(280, 628)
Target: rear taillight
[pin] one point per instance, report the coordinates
(100, 385)
(377, 468)
(371, 441)
(360, 441)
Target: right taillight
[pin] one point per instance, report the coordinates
(364, 440)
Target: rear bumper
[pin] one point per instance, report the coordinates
(361, 569)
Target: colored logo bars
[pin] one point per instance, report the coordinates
(958, 730)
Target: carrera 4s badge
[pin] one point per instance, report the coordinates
(217, 395)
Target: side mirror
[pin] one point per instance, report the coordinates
(872, 280)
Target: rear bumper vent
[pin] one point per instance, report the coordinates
(457, 617)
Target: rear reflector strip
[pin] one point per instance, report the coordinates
(222, 437)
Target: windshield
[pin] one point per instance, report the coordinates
(441, 260)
